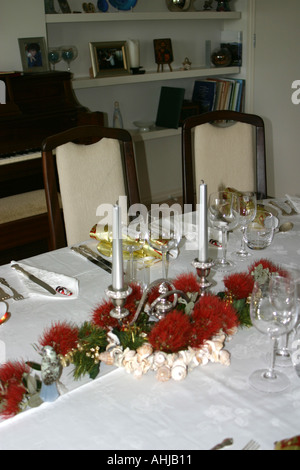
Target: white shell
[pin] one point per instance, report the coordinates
(179, 372)
(144, 351)
(163, 373)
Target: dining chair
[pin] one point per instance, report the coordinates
(95, 165)
(223, 149)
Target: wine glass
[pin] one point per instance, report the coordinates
(69, 53)
(278, 288)
(223, 214)
(134, 239)
(247, 215)
(54, 56)
(274, 312)
(164, 233)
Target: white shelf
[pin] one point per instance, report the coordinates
(148, 16)
(86, 82)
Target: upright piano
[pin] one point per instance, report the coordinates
(37, 105)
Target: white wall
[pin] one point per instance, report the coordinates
(276, 67)
(18, 19)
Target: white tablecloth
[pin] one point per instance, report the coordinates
(117, 411)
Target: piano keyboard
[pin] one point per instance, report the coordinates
(20, 157)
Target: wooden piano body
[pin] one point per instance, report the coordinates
(37, 106)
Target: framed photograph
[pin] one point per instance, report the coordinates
(163, 52)
(34, 54)
(109, 58)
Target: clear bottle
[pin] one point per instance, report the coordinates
(117, 117)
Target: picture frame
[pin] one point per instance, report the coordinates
(34, 54)
(109, 58)
(163, 52)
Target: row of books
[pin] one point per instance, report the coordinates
(219, 93)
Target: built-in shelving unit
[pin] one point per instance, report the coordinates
(138, 94)
(86, 82)
(134, 16)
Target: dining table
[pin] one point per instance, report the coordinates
(117, 412)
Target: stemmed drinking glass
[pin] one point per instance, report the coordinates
(223, 214)
(278, 289)
(133, 241)
(54, 56)
(247, 215)
(69, 53)
(164, 233)
(274, 312)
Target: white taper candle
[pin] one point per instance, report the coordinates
(117, 251)
(202, 224)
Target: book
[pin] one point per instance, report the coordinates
(169, 107)
(204, 94)
(219, 93)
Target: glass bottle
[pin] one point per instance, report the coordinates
(117, 117)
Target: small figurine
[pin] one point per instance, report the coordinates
(50, 370)
(186, 64)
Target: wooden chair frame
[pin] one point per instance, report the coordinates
(187, 149)
(82, 135)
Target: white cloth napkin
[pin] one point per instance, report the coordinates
(295, 202)
(54, 280)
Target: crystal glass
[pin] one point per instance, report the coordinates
(223, 214)
(247, 215)
(278, 288)
(164, 233)
(54, 56)
(133, 241)
(273, 312)
(69, 53)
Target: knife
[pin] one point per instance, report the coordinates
(92, 260)
(95, 255)
(34, 279)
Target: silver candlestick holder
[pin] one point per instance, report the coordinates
(203, 270)
(118, 298)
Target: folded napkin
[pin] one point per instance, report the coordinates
(65, 286)
(295, 202)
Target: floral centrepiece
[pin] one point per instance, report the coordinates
(193, 334)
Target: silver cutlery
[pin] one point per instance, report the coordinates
(16, 295)
(98, 263)
(4, 295)
(251, 445)
(34, 279)
(96, 256)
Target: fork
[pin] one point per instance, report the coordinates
(4, 295)
(16, 295)
(251, 445)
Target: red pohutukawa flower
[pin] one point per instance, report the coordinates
(240, 285)
(61, 336)
(12, 390)
(266, 264)
(101, 314)
(210, 315)
(187, 283)
(172, 333)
